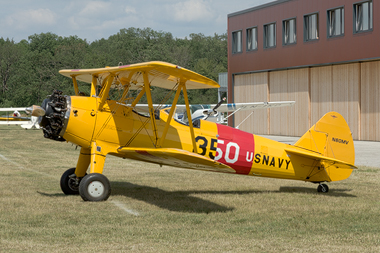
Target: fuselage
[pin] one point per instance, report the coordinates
(118, 126)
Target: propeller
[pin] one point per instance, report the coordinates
(36, 111)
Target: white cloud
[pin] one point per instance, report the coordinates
(27, 18)
(130, 10)
(73, 23)
(96, 19)
(192, 10)
(95, 8)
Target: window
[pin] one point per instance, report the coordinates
(311, 27)
(236, 42)
(363, 16)
(270, 35)
(335, 22)
(289, 31)
(251, 39)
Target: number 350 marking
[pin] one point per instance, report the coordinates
(219, 152)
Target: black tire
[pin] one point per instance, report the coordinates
(69, 185)
(323, 188)
(95, 187)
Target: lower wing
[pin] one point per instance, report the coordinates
(174, 157)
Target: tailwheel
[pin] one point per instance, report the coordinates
(70, 182)
(95, 187)
(323, 188)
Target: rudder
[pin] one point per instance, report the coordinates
(331, 137)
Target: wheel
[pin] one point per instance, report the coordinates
(323, 188)
(70, 182)
(95, 187)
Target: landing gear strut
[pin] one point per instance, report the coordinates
(323, 188)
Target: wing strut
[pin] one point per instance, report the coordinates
(137, 99)
(182, 86)
(189, 117)
(93, 86)
(75, 85)
(174, 104)
(150, 105)
(125, 92)
(105, 90)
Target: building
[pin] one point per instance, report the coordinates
(323, 54)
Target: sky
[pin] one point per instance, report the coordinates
(94, 20)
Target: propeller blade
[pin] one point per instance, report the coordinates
(36, 111)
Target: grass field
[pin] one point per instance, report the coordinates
(153, 209)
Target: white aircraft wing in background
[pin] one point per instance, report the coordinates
(209, 112)
(16, 119)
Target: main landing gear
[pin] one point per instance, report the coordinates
(92, 187)
(323, 188)
(70, 182)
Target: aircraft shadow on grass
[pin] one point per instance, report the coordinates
(178, 201)
(182, 201)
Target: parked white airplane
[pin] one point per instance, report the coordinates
(16, 119)
(215, 112)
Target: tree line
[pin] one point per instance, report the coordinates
(29, 68)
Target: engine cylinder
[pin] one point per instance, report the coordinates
(54, 121)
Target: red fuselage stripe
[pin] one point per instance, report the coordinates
(235, 148)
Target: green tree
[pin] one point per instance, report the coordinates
(9, 55)
(29, 70)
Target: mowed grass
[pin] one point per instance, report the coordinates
(154, 209)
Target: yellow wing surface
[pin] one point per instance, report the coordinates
(175, 157)
(161, 74)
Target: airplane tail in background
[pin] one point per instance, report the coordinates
(331, 140)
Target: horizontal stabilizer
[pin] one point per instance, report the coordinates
(175, 157)
(327, 160)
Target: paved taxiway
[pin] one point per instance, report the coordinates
(367, 153)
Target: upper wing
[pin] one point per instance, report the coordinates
(175, 157)
(160, 74)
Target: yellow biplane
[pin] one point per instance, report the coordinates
(102, 125)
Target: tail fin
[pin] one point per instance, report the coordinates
(330, 137)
